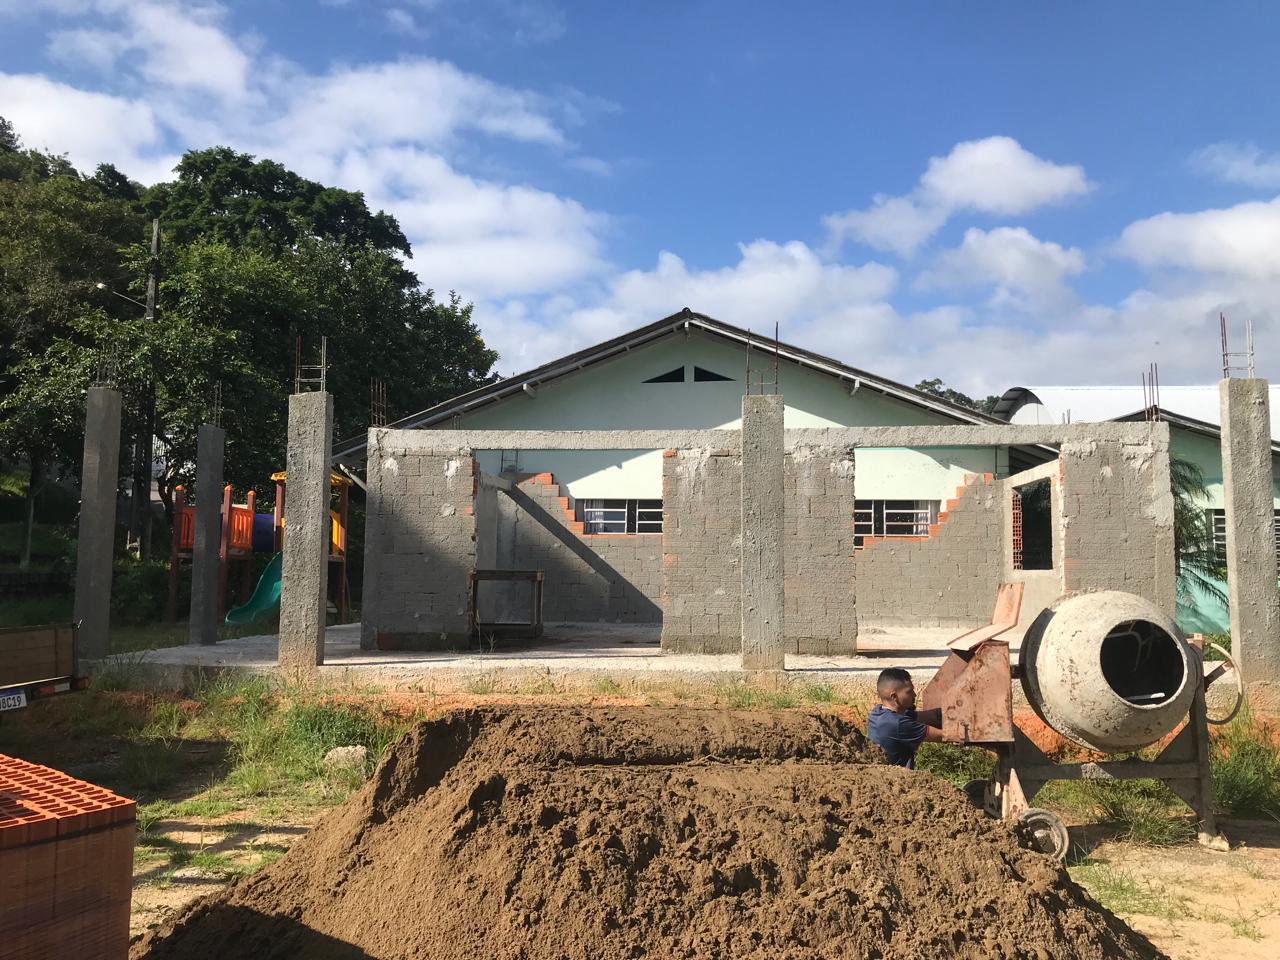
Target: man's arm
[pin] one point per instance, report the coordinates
(932, 718)
(932, 734)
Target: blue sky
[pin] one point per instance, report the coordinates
(993, 193)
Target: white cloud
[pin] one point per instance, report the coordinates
(181, 47)
(1026, 272)
(1242, 163)
(416, 101)
(892, 224)
(998, 176)
(1242, 240)
(387, 129)
(786, 283)
(994, 176)
(485, 239)
(90, 128)
(402, 21)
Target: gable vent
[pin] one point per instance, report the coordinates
(703, 376)
(671, 376)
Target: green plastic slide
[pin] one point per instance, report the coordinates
(266, 596)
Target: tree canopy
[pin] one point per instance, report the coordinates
(254, 258)
(935, 387)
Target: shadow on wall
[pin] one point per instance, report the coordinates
(575, 591)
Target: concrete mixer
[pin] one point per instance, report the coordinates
(1108, 670)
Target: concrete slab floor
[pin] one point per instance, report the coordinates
(568, 653)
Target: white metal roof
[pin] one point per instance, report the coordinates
(1095, 404)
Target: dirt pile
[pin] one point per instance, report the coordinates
(553, 832)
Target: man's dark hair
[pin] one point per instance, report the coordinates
(891, 678)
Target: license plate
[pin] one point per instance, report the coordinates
(13, 699)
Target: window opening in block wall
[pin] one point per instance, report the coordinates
(620, 516)
(892, 518)
(1033, 526)
(1218, 521)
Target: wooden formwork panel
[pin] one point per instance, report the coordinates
(39, 653)
(66, 866)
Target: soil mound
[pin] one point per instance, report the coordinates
(557, 833)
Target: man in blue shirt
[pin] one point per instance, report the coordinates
(893, 723)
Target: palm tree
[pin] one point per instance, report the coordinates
(1196, 560)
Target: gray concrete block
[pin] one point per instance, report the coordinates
(202, 627)
(95, 546)
(306, 536)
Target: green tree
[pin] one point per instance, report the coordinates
(60, 234)
(224, 195)
(937, 388)
(256, 260)
(1197, 562)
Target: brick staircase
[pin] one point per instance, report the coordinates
(545, 479)
(950, 505)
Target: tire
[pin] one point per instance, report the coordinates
(1044, 831)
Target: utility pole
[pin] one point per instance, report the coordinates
(144, 453)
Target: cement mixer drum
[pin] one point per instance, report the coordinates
(1109, 670)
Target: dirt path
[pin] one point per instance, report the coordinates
(1193, 903)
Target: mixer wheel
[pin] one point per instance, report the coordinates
(1045, 832)
(976, 792)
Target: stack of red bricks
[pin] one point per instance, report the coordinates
(66, 866)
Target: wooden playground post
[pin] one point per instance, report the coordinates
(246, 576)
(223, 551)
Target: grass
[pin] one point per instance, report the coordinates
(606, 687)
(819, 693)
(1145, 811)
(483, 685)
(1245, 757)
(958, 765)
(742, 696)
(1121, 892)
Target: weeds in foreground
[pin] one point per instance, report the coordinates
(1245, 757)
(1145, 811)
(483, 684)
(120, 671)
(958, 765)
(1123, 893)
(820, 693)
(742, 696)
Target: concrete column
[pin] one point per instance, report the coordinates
(373, 545)
(1251, 545)
(762, 517)
(202, 627)
(306, 534)
(95, 547)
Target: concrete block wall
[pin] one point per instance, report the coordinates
(575, 592)
(948, 579)
(701, 551)
(701, 585)
(1117, 519)
(420, 546)
(821, 609)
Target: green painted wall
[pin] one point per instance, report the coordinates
(613, 395)
(1198, 610)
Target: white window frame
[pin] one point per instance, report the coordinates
(620, 516)
(1218, 523)
(893, 519)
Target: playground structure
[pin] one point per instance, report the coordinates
(244, 533)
